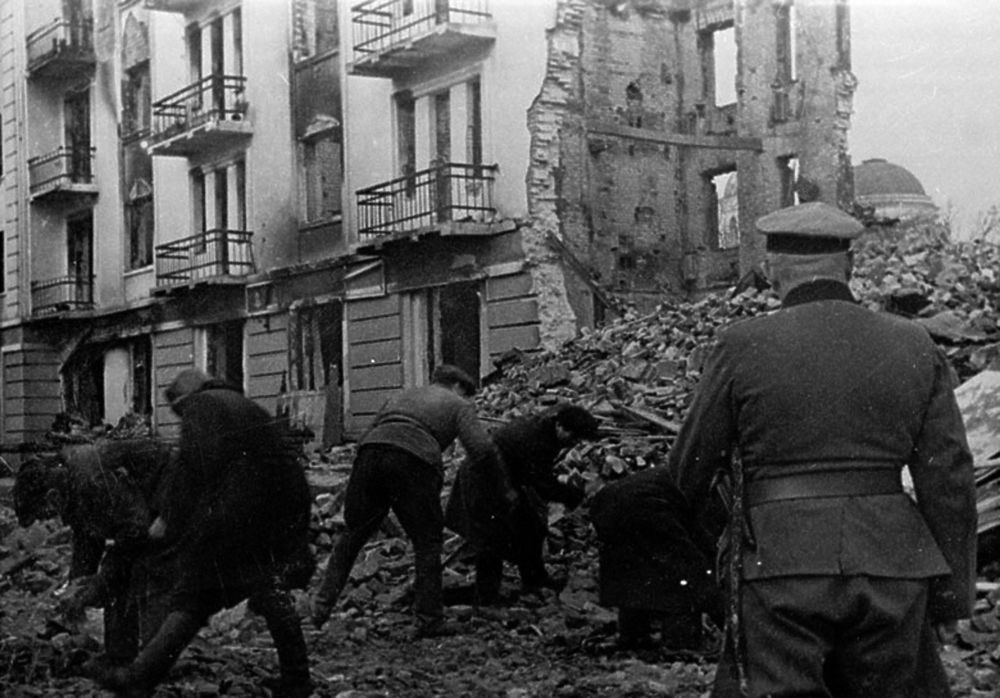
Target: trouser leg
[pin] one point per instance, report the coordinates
(418, 508)
(489, 575)
(286, 631)
(121, 628)
(154, 661)
(365, 507)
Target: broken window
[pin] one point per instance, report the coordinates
(142, 375)
(138, 180)
(322, 164)
(788, 172)
(727, 222)
(474, 129)
(785, 45)
(718, 59)
(406, 137)
(315, 28)
(136, 101)
(315, 346)
(723, 209)
(443, 327)
(224, 352)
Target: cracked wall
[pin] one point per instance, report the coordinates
(630, 128)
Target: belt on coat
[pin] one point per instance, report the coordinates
(863, 482)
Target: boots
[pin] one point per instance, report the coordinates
(286, 631)
(338, 569)
(139, 679)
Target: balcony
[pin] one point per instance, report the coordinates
(213, 257)
(395, 36)
(62, 50)
(67, 174)
(208, 115)
(447, 200)
(62, 295)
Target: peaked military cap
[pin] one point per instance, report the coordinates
(810, 228)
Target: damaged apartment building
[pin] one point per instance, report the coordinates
(320, 201)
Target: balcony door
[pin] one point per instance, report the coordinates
(442, 154)
(80, 255)
(76, 111)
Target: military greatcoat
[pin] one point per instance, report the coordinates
(823, 396)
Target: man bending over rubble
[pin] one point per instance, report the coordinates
(106, 491)
(501, 527)
(399, 467)
(235, 526)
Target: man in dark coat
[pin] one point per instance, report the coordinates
(657, 561)
(235, 525)
(824, 402)
(105, 491)
(399, 467)
(503, 510)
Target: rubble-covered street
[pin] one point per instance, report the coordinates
(636, 373)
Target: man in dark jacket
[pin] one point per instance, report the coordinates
(503, 510)
(399, 467)
(824, 402)
(105, 491)
(657, 561)
(235, 525)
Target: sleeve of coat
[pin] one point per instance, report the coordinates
(707, 437)
(477, 443)
(944, 481)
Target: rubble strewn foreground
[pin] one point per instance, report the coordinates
(636, 374)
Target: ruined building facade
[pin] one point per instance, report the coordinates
(320, 202)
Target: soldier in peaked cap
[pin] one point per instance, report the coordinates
(815, 409)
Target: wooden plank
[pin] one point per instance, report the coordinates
(42, 406)
(15, 390)
(174, 355)
(374, 329)
(267, 364)
(272, 323)
(519, 311)
(386, 351)
(32, 373)
(173, 338)
(524, 337)
(514, 286)
(371, 377)
(369, 402)
(373, 307)
(267, 343)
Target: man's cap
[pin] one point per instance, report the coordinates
(810, 228)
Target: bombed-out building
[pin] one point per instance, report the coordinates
(321, 201)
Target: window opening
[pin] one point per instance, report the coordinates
(726, 223)
(788, 169)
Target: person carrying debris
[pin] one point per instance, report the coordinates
(108, 491)
(656, 561)
(399, 467)
(235, 525)
(822, 403)
(503, 510)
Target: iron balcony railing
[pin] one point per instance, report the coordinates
(65, 165)
(213, 98)
(73, 292)
(60, 37)
(212, 254)
(447, 192)
(378, 25)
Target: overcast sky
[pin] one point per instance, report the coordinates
(928, 96)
